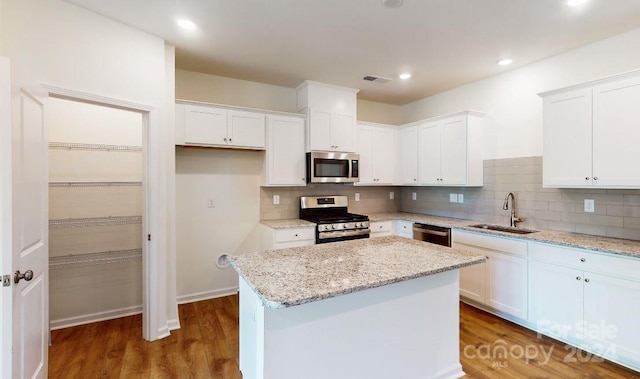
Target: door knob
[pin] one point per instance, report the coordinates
(17, 276)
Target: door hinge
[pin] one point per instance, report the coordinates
(148, 237)
(6, 280)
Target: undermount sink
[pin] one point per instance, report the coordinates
(506, 229)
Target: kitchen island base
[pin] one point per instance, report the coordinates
(407, 330)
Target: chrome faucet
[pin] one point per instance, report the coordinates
(513, 219)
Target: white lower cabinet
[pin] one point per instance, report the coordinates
(588, 299)
(404, 228)
(501, 282)
(381, 228)
(274, 239)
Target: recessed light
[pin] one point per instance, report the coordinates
(505, 62)
(186, 24)
(392, 3)
(575, 3)
(405, 76)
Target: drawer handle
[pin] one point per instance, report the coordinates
(586, 178)
(586, 280)
(296, 234)
(578, 278)
(582, 260)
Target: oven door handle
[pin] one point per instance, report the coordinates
(429, 231)
(345, 233)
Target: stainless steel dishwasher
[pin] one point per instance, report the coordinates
(432, 234)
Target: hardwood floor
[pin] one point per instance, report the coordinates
(206, 346)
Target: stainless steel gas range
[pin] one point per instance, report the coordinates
(333, 221)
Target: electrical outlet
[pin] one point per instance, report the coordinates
(392, 195)
(357, 196)
(211, 202)
(276, 199)
(453, 198)
(589, 205)
(460, 198)
(414, 196)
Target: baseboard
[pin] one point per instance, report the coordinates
(452, 372)
(94, 317)
(163, 332)
(207, 295)
(173, 324)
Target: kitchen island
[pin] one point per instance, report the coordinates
(372, 308)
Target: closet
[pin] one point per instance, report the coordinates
(95, 212)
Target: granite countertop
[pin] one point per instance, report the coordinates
(299, 275)
(610, 245)
(287, 223)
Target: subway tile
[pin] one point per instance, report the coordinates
(562, 206)
(632, 199)
(632, 222)
(533, 205)
(633, 234)
(607, 221)
(623, 210)
(591, 229)
(582, 218)
(562, 226)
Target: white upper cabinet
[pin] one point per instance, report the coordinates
(591, 133)
(567, 139)
(285, 156)
(616, 133)
(202, 125)
(377, 149)
(408, 155)
(450, 150)
(331, 113)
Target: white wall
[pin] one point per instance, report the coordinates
(372, 111)
(232, 178)
(514, 111)
(218, 89)
(56, 43)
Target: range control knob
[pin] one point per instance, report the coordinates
(333, 226)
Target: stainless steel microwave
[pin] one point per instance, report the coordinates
(332, 167)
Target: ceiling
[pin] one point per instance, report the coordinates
(443, 43)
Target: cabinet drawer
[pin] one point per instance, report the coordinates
(586, 260)
(381, 226)
(295, 234)
(404, 228)
(505, 245)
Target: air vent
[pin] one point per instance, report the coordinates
(377, 79)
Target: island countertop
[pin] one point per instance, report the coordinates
(299, 275)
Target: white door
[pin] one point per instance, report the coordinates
(367, 155)
(453, 153)
(205, 125)
(6, 294)
(555, 299)
(429, 154)
(507, 284)
(567, 139)
(246, 129)
(320, 130)
(409, 156)
(343, 127)
(616, 133)
(611, 309)
(285, 151)
(30, 240)
(384, 155)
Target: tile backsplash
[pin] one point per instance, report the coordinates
(617, 212)
(372, 199)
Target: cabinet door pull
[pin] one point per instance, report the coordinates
(225, 139)
(586, 178)
(578, 278)
(582, 260)
(595, 178)
(586, 280)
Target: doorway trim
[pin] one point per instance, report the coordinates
(153, 306)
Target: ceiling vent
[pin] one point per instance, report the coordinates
(377, 79)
